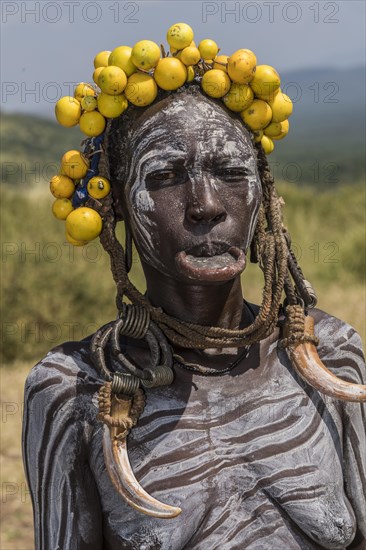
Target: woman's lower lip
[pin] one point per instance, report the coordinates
(221, 267)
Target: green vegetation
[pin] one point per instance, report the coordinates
(53, 292)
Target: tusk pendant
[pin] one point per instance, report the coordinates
(305, 359)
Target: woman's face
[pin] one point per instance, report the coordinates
(192, 192)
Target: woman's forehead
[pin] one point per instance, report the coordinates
(180, 122)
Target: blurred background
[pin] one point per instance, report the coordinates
(52, 292)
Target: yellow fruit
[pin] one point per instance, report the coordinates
(189, 55)
(239, 97)
(141, 89)
(220, 63)
(215, 83)
(258, 115)
(92, 124)
(74, 165)
(258, 134)
(68, 111)
(98, 187)
(173, 51)
(74, 241)
(112, 106)
(89, 103)
(273, 129)
(121, 57)
(241, 66)
(170, 73)
(208, 49)
(145, 55)
(101, 59)
(267, 144)
(190, 74)
(83, 90)
(61, 208)
(62, 187)
(285, 126)
(179, 36)
(281, 106)
(265, 82)
(112, 80)
(96, 74)
(84, 224)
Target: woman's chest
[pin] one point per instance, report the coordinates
(234, 466)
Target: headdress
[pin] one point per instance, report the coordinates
(136, 76)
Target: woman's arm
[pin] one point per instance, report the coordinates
(66, 506)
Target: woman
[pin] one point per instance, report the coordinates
(242, 451)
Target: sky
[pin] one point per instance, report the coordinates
(48, 46)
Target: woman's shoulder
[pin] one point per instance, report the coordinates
(67, 370)
(340, 346)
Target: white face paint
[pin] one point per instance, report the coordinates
(198, 134)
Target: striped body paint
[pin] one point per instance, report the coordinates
(255, 460)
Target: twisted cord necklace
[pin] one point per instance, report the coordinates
(208, 371)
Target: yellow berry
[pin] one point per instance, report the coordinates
(141, 89)
(98, 187)
(121, 57)
(281, 106)
(215, 83)
(83, 90)
(220, 63)
(180, 36)
(92, 124)
(112, 106)
(258, 115)
(241, 66)
(190, 74)
(62, 187)
(89, 103)
(61, 208)
(273, 129)
(189, 55)
(96, 74)
(267, 144)
(208, 49)
(74, 165)
(145, 55)
(68, 111)
(112, 80)
(170, 73)
(239, 97)
(285, 126)
(265, 82)
(84, 224)
(101, 59)
(74, 241)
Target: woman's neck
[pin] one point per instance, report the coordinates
(218, 305)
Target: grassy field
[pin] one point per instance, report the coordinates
(52, 292)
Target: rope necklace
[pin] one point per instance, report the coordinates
(207, 371)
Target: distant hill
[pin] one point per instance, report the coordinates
(325, 147)
(327, 136)
(32, 148)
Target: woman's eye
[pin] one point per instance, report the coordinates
(232, 174)
(164, 177)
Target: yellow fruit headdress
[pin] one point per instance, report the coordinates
(134, 76)
(84, 199)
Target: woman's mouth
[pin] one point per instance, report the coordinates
(211, 262)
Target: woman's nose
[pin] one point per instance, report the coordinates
(204, 205)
